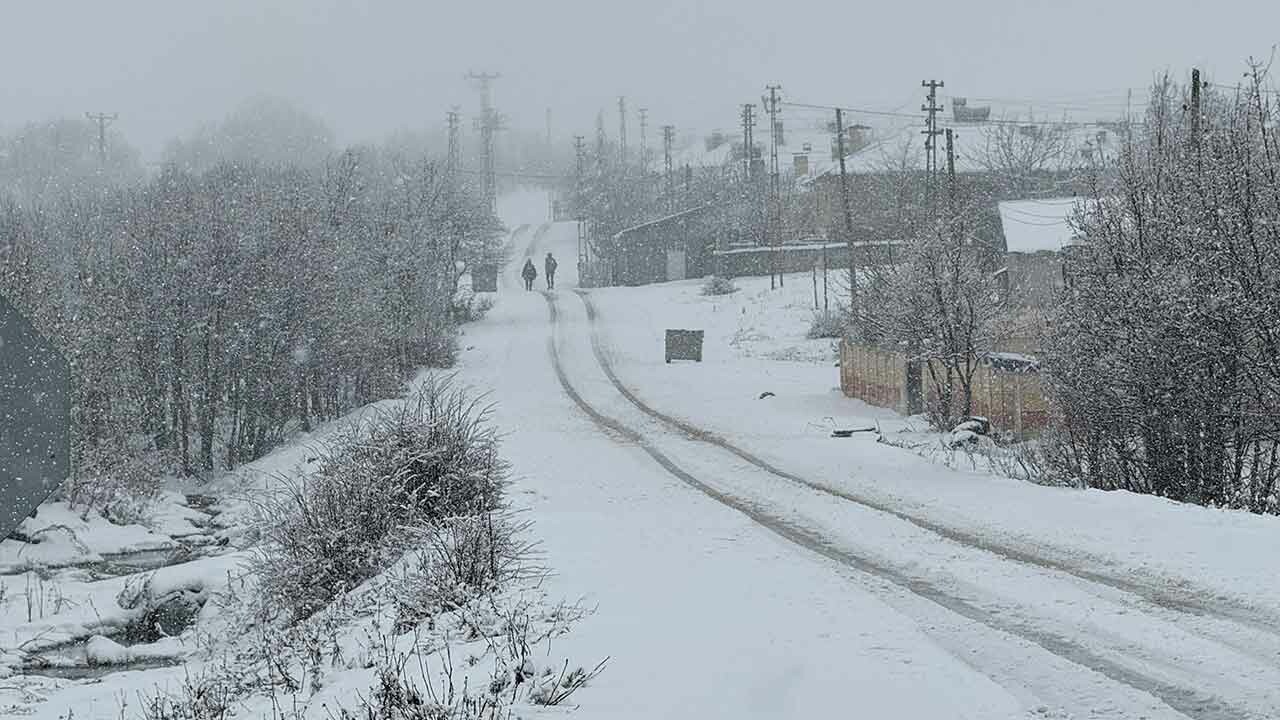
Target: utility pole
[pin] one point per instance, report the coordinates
(914, 375)
(454, 119)
(668, 139)
(775, 194)
(748, 123)
(580, 153)
(644, 143)
(622, 130)
(931, 131)
(1195, 107)
(488, 123)
(103, 121)
(453, 164)
(848, 217)
(601, 139)
(952, 218)
(1128, 110)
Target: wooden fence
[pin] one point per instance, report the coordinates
(1009, 394)
(875, 377)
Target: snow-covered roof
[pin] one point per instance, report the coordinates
(794, 140)
(663, 219)
(785, 246)
(1037, 225)
(902, 145)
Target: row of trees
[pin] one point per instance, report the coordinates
(45, 159)
(206, 312)
(1164, 357)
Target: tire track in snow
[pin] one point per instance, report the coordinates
(1188, 702)
(1164, 597)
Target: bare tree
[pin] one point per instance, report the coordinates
(1022, 154)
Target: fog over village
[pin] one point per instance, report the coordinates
(426, 361)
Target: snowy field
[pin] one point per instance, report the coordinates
(740, 561)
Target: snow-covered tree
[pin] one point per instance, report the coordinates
(1165, 353)
(263, 129)
(42, 160)
(207, 313)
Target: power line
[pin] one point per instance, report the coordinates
(516, 174)
(913, 116)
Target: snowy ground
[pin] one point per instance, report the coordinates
(824, 573)
(742, 562)
(1191, 550)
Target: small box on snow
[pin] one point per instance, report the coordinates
(684, 345)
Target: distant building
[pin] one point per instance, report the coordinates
(674, 247)
(1035, 234)
(962, 112)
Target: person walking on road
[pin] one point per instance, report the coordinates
(529, 273)
(551, 272)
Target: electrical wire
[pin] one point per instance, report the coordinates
(1020, 123)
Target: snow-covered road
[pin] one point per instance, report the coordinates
(731, 586)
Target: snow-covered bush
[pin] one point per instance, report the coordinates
(470, 306)
(459, 559)
(206, 696)
(826, 325)
(718, 285)
(399, 694)
(432, 459)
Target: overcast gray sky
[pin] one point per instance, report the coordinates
(370, 67)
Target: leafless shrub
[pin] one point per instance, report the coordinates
(433, 458)
(1025, 461)
(718, 285)
(208, 696)
(397, 695)
(459, 559)
(471, 307)
(512, 631)
(826, 325)
(554, 689)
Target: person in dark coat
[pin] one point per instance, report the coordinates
(551, 272)
(529, 273)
